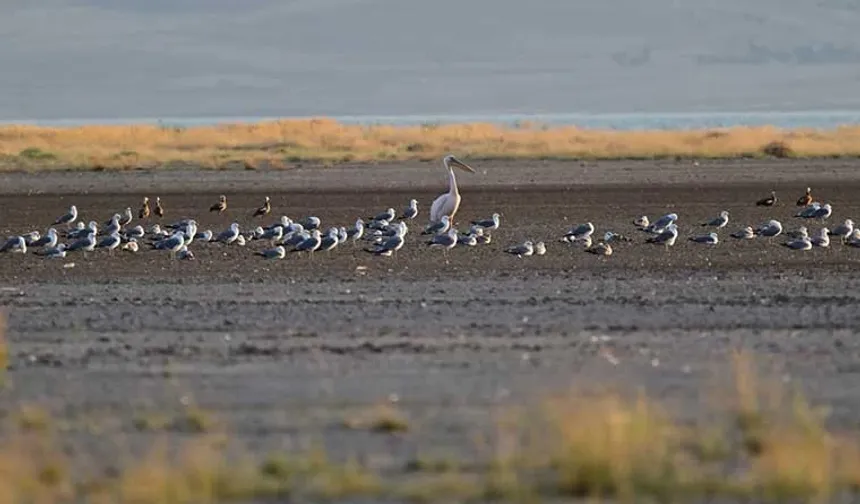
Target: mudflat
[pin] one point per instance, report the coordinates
(285, 352)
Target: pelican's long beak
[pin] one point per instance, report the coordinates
(456, 162)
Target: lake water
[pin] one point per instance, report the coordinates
(632, 121)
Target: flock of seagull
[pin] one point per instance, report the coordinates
(384, 234)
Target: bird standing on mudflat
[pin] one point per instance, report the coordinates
(144, 211)
(769, 201)
(806, 198)
(264, 209)
(159, 210)
(448, 203)
(221, 206)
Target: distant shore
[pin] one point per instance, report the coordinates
(283, 143)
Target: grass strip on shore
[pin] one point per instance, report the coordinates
(283, 143)
(767, 444)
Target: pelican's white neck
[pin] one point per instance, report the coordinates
(452, 180)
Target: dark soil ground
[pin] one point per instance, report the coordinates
(284, 351)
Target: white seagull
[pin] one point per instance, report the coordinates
(708, 239)
(666, 237)
(69, 217)
(718, 222)
(411, 211)
(526, 248)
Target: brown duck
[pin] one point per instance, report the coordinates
(220, 206)
(264, 209)
(159, 210)
(769, 201)
(144, 211)
(806, 198)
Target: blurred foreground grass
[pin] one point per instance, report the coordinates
(763, 443)
(281, 143)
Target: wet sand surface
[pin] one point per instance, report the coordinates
(285, 351)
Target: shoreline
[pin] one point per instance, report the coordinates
(287, 143)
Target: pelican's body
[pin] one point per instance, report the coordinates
(449, 203)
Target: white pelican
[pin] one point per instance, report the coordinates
(448, 203)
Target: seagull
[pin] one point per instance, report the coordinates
(329, 240)
(809, 210)
(667, 237)
(278, 252)
(221, 206)
(449, 203)
(446, 241)
(844, 230)
(356, 231)
(85, 244)
(823, 238)
(770, 229)
(799, 244)
(230, 234)
(110, 242)
(126, 217)
(642, 222)
(800, 232)
(131, 246)
(387, 215)
(720, 221)
(708, 239)
(204, 236)
(524, 249)
(49, 240)
(610, 236)
(662, 223)
(389, 246)
(823, 213)
(274, 234)
(15, 244)
(53, 252)
(468, 240)
(144, 211)
(490, 224)
(68, 218)
(159, 210)
(82, 230)
(173, 243)
(311, 243)
(31, 237)
(600, 248)
(184, 253)
(113, 226)
(264, 209)
(540, 248)
(411, 211)
(442, 226)
(769, 201)
(584, 242)
(806, 198)
(747, 233)
(579, 232)
(310, 223)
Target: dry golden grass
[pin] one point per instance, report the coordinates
(276, 143)
(604, 446)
